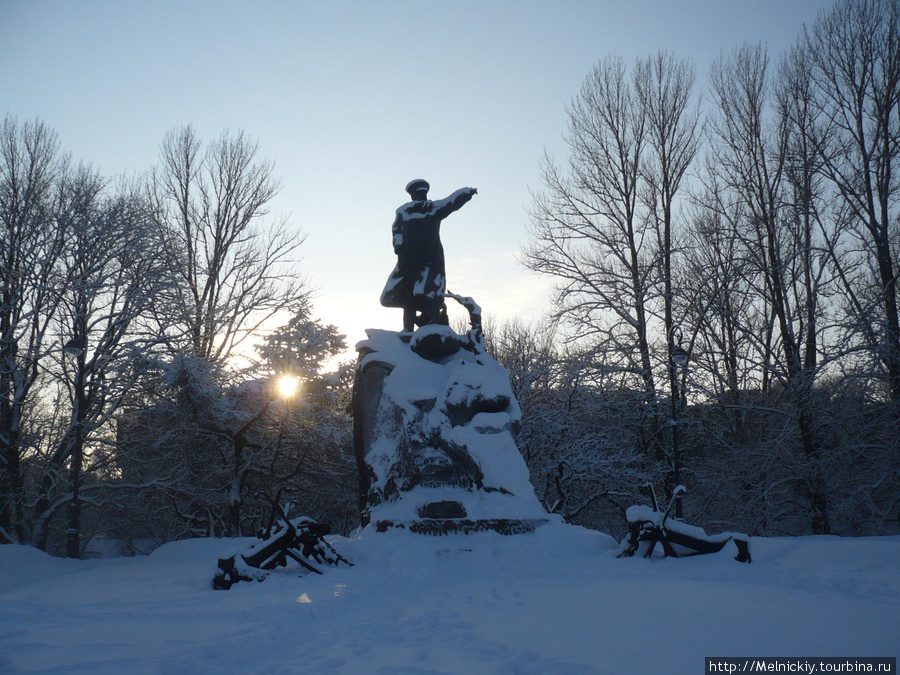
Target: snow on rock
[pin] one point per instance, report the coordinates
(438, 421)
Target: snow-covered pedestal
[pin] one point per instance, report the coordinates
(434, 434)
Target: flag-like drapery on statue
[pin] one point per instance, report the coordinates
(419, 279)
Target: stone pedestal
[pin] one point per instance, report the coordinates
(434, 435)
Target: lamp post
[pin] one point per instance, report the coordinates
(76, 348)
(677, 363)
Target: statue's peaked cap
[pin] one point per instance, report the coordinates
(415, 185)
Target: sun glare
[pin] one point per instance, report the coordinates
(288, 386)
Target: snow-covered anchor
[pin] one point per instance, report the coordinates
(300, 539)
(649, 524)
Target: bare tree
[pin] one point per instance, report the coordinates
(605, 228)
(664, 87)
(106, 278)
(587, 232)
(806, 204)
(852, 54)
(753, 143)
(30, 245)
(722, 315)
(230, 264)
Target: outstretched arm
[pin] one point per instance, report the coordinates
(444, 207)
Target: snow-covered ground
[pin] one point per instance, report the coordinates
(553, 601)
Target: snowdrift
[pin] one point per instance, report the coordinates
(556, 600)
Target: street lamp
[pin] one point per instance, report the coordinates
(75, 346)
(679, 357)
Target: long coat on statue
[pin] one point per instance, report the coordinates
(420, 275)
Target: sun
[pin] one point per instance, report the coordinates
(287, 386)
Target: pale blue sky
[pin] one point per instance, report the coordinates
(354, 99)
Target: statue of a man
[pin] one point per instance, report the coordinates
(419, 279)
